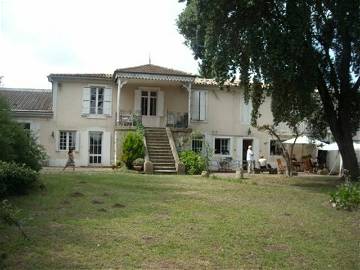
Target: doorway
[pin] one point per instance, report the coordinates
(245, 145)
(95, 148)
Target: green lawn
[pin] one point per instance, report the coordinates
(127, 221)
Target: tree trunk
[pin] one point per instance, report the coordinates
(347, 151)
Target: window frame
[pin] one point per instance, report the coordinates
(97, 101)
(198, 140)
(276, 148)
(67, 140)
(151, 97)
(229, 145)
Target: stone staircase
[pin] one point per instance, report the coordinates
(159, 150)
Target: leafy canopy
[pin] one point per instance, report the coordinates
(305, 54)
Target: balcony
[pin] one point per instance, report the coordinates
(128, 121)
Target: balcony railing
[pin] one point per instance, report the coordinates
(128, 120)
(177, 119)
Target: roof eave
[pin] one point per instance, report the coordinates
(33, 113)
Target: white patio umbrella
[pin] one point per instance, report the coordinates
(334, 147)
(304, 140)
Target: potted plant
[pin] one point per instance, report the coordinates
(138, 164)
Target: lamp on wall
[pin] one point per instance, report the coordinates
(249, 132)
(52, 134)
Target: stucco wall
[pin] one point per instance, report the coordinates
(68, 117)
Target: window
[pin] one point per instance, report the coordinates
(275, 148)
(148, 102)
(96, 100)
(67, 140)
(245, 112)
(197, 144)
(26, 126)
(222, 146)
(198, 105)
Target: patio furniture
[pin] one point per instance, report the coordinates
(281, 167)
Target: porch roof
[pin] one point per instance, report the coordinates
(153, 72)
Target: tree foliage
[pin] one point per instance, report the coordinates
(17, 144)
(305, 54)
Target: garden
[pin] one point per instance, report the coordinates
(126, 220)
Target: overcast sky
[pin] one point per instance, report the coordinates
(39, 37)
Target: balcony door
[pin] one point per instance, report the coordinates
(149, 102)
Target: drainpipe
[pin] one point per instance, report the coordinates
(118, 102)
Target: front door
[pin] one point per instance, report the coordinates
(149, 108)
(95, 148)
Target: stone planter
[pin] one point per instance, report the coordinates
(138, 168)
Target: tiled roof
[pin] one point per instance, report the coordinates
(212, 82)
(28, 99)
(105, 76)
(153, 70)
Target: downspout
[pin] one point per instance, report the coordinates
(118, 102)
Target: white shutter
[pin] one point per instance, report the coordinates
(106, 148)
(86, 101)
(160, 103)
(195, 105)
(107, 101)
(137, 101)
(203, 105)
(57, 140)
(245, 113)
(77, 140)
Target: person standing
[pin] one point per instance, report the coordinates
(71, 160)
(250, 159)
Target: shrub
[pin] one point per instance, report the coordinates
(17, 144)
(138, 162)
(347, 196)
(194, 162)
(15, 178)
(133, 148)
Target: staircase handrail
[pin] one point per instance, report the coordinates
(172, 145)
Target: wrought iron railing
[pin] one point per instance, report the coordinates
(177, 119)
(128, 120)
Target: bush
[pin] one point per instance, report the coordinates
(17, 144)
(138, 162)
(133, 148)
(347, 196)
(194, 162)
(15, 178)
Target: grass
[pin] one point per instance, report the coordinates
(127, 221)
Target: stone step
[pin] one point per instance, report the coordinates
(168, 158)
(162, 141)
(162, 160)
(164, 168)
(159, 171)
(164, 164)
(158, 145)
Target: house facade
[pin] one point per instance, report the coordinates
(92, 112)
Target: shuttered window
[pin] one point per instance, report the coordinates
(97, 101)
(199, 105)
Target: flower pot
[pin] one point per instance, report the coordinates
(138, 167)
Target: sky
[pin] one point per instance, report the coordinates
(39, 37)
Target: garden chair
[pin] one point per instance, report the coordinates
(281, 167)
(308, 167)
